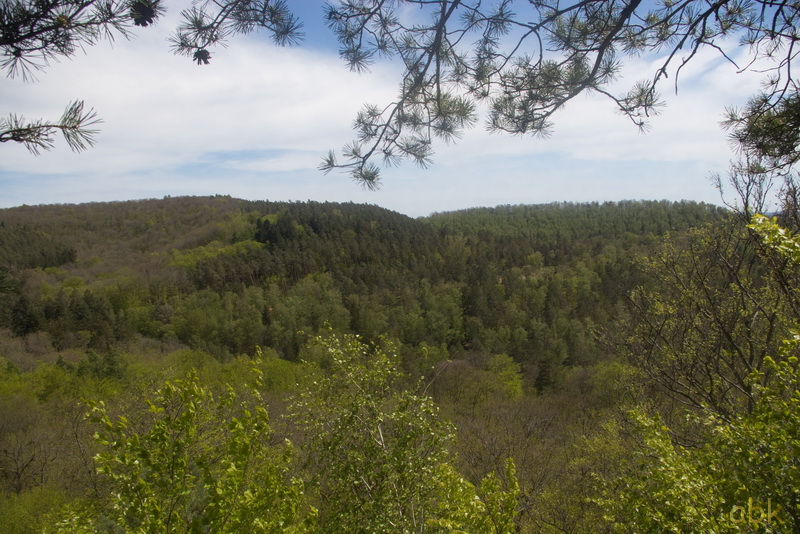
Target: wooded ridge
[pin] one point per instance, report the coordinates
(551, 361)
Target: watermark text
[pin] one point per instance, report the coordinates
(753, 514)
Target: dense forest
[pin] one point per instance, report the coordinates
(220, 365)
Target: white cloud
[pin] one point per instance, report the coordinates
(159, 109)
(285, 162)
(256, 121)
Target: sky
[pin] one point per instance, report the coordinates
(256, 122)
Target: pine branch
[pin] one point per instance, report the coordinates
(76, 125)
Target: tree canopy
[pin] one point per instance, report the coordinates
(321, 367)
(457, 56)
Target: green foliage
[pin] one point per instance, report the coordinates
(767, 133)
(461, 509)
(107, 365)
(762, 450)
(308, 308)
(23, 320)
(378, 454)
(198, 462)
(23, 247)
(778, 239)
(509, 373)
(745, 474)
(6, 282)
(375, 451)
(190, 258)
(667, 489)
(497, 309)
(532, 282)
(709, 315)
(220, 324)
(28, 512)
(747, 464)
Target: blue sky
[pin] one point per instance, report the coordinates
(256, 122)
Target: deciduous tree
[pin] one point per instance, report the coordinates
(708, 318)
(199, 463)
(745, 474)
(379, 456)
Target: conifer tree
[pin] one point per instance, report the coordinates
(456, 55)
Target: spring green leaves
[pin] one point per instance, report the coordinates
(373, 457)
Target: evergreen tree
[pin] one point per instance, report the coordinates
(23, 319)
(455, 56)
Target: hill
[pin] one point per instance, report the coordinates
(537, 367)
(226, 275)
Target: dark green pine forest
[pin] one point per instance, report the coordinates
(210, 364)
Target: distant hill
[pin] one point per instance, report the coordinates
(224, 275)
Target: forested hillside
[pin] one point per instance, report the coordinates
(225, 275)
(558, 337)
